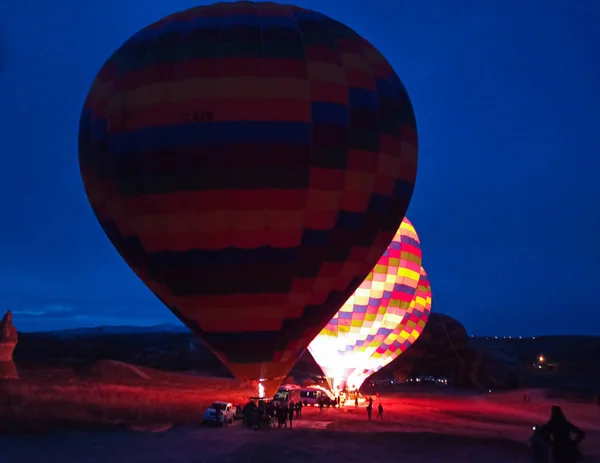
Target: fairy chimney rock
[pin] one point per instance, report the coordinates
(8, 338)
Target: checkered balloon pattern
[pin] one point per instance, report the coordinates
(401, 338)
(373, 314)
(250, 162)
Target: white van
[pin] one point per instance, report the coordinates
(310, 396)
(287, 393)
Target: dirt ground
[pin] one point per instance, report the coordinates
(431, 427)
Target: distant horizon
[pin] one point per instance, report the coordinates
(180, 327)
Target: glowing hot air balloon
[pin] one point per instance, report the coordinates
(250, 162)
(376, 309)
(399, 339)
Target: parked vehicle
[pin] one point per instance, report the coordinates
(287, 393)
(310, 395)
(219, 413)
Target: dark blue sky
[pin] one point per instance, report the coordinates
(507, 99)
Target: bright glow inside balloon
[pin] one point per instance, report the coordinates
(373, 313)
(401, 338)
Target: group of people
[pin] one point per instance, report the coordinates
(271, 414)
(555, 439)
(370, 409)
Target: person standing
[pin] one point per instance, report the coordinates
(380, 411)
(369, 411)
(282, 415)
(564, 449)
(291, 414)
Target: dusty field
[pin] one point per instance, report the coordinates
(108, 395)
(433, 428)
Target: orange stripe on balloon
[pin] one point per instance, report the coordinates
(360, 79)
(213, 241)
(322, 178)
(215, 200)
(263, 109)
(212, 90)
(355, 202)
(212, 222)
(320, 220)
(329, 92)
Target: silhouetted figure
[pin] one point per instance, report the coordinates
(369, 411)
(255, 418)
(564, 448)
(299, 410)
(321, 404)
(291, 414)
(246, 413)
(356, 402)
(338, 400)
(380, 411)
(282, 415)
(540, 444)
(371, 401)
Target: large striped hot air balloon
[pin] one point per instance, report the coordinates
(399, 339)
(373, 312)
(250, 162)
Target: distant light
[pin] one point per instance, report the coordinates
(261, 391)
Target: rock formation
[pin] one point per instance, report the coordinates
(8, 341)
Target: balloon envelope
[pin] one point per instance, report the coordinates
(401, 338)
(376, 310)
(250, 162)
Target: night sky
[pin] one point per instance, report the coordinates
(507, 99)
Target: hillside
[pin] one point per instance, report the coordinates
(171, 348)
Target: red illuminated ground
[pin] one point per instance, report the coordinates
(423, 427)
